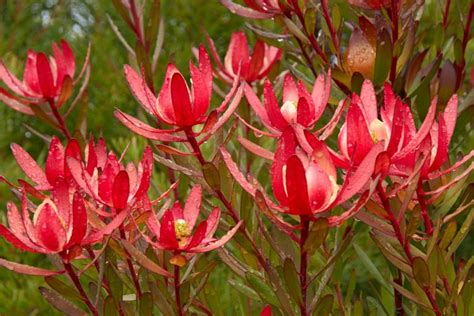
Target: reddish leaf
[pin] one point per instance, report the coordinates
(25, 269)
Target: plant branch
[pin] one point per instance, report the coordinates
(394, 16)
(77, 284)
(424, 209)
(332, 29)
(133, 274)
(176, 291)
(303, 263)
(404, 243)
(59, 118)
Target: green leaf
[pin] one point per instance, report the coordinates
(152, 27)
(391, 254)
(325, 305)
(369, 265)
(421, 272)
(447, 82)
(161, 296)
(244, 289)
(448, 235)
(295, 30)
(59, 286)
(433, 268)
(383, 58)
(263, 290)
(115, 283)
(60, 303)
(291, 276)
(211, 175)
(310, 20)
(409, 295)
(357, 308)
(462, 233)
(350, 287)
(143, 260)
(123, 11)
(356, 82)
(146, 304)
(143, 61)
(317, 235)
(109, 307)
(247, 210)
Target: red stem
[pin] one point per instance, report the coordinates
(131, 268)
(332, 30)
(404, 243)
(77, 284)
(136, 22)
(394, 17)
(176, 291)
(310, 36)
(197, 151)
(59, 118)
(399, 311)
(424, 210)
(303, 263)
(460, 69)
(446, 13)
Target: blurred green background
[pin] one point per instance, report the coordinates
(36, 24)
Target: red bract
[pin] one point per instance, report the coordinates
(56, 161)
(304, 178)
(174, 231)
(59, 224)
(252, 67)
(113, 184)
(44, 79)
(176, 105)
(298, 106)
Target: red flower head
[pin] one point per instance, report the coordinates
(112, 184)
(43, 79)
(174, 232)
(298, 106)
(176, 104)
(56, 163)
(252, 67)
(396, 129)
(257, 9)
(304, 177)
(59, 224)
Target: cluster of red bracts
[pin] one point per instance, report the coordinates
(308, 177)
(86, 196)
(304, 171)
(45, 79)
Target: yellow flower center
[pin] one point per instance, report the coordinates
(182, 231)
(377, 131)
(289, 110)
